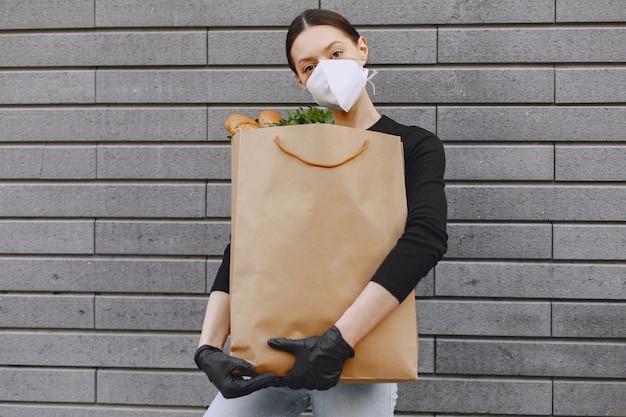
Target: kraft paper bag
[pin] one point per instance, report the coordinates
(315, 210)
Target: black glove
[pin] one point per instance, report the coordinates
(221, 368)
(319, 360)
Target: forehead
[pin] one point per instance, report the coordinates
(315, 39)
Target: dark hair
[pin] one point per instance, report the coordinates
(314, 17)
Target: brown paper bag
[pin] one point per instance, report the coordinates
(315, 210)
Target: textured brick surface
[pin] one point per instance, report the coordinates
(566, 203)
(442, 11)
(47, 311)
(531, 358)
(589, 163)
(46, 237)
(531, 280)
(532, 45)
(590, 242)
(562, 124)
(159, 388)
(601, 320)
(98, 350)
(44, 87)
(579, 11)
(91, 411)
(532, 241)
(102, 124)
(161, 238)
(149, 313)
(483, 318)
(44, 14)
(103, 49)
(466, 395)
(102, 200)
(605, 85)
(47, 385)
(103, 275)
(47, 162)
(258, 12)
(584, 398)
(163, 162)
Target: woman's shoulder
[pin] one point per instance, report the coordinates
(410, 135)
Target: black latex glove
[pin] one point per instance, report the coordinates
(221, 368)
(319, 359)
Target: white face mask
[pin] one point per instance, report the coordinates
(337, 83)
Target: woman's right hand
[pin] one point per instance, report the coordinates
(226, 373)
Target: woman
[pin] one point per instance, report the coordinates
(323, 49)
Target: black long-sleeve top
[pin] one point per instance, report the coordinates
(424, 240)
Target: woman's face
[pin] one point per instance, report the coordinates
(323, 42)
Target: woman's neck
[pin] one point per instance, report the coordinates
(362, 115)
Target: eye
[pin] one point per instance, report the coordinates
(336, 54)
(308, 68)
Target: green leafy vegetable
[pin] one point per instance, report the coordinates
(306, 116)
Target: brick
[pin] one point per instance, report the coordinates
(46, 237)
(91, 411)
(580, 11)
(419, 46)
(150, 313)
(153, 86)
(606, 242)
(468, 85)
(48, 162)
(605, 85)
(559, 124)
(589, 163)
(531, 241)
(44, 87)
(155, 388)
(102, 200)
(218, 200)
(426, 355)
(255, 87)
(524, 45)
(161, 238)
(499, 162)
(531, 358)
(192, 162)
(257, 12)
(103, 49)
(467, 395)
(47, 385)
(585, 398)
(44, 14)
(99, 350)
(36, 311)
(102, 124)
(157, 13)
(531, 280)
(420, 116)
(484, 318)
(426, 286)
(566, 203)
(409, 12)
(601, 320)
(104, 275)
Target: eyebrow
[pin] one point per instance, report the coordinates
(330, 45)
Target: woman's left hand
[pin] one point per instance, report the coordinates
(319, 359)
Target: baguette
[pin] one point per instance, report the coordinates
(238, 122)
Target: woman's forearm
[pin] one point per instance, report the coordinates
(370, 308)
(216, 325)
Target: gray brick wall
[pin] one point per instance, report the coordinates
(115, 195)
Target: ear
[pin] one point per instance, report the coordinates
(362, 47)
(297, 77)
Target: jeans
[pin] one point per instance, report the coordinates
(345, 400)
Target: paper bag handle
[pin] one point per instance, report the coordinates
(319, 164)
